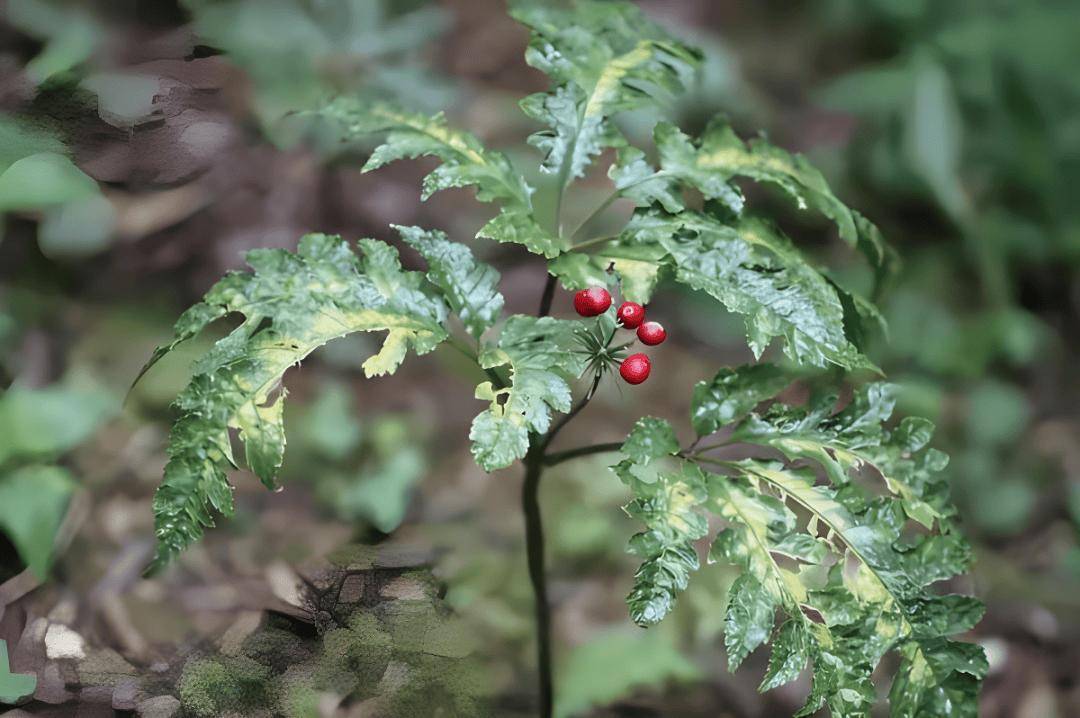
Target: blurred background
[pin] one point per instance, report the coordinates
(144, 146)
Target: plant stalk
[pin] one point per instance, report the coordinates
(534, 547)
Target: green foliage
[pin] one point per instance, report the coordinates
(292, 304)
(38, 176)
(756, 271)
(469, 286)
(542, 359)
(33, 501)
(13, 686)
(42, 424)
(38, 426)
(465, 163)
(379, 491)
(603, 58)
(211, 687)
(839, 559)
(836, 550)
(69, 34)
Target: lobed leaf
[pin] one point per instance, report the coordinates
(668, 507)
(542, 359)
(604, 58)
(833, 558)
(465, 162)
(291, 304)
(755, 271)
(470, 287)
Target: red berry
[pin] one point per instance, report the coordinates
(635, 368)
(631, 314)
(651, 333)
(592, 301)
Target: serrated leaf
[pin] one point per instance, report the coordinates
(292, 304)
(679, 159)
(844, 442)
(750, 614)
(470, 287)
(542, 359)
(604, 58)
(790, 654)
(733, 393)
(937, 677)
(635, 179)
(638, 266)
(755, 271)
(720, 156)
(465, 162)
(518, 226)
(651, 438)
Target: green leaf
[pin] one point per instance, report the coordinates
(43, 180)
(720, 156)
(938, 677)
(790, 654)
(292, 304)
(604, 58)
(679, 159)
(542, 359)
(637, 265)
(518, 226)
(733, 393)
(636, 179)
(934, 137)
(13, 686)
(465, 162)
(651, 438)
(750, 615)
(470, 287)
(45, 423)
(755, 271)
(20, 137)
(845, 442)
(70, 35)
(33, 501)
(669, 509)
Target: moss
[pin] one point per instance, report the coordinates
(355, 657)
(277, 648)
(426, 581)
(442, 688)
(356, 557)
(214, 686)
(420, 627)
(298, 694)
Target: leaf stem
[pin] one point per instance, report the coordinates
(471, 354)
(592, 242)
(595, 213)
(560, 456)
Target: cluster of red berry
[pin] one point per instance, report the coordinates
(594, 301)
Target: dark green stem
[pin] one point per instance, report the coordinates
(560, 456)
(534, 547)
